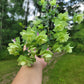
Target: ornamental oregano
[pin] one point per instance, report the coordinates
(44, 36)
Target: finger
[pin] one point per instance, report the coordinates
(37, 58)
(24, 48)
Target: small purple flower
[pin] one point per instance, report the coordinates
(47, 48)
(25, 26)
(34, 49)
(14, 40)
(37, 33)
(26, 48)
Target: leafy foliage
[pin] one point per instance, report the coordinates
(77, 34)
(45, 35)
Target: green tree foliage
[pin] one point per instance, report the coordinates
(77, 34)
(77, 30)
(10, 27)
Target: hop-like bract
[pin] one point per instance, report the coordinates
(46, 54)
(53, 2)
(15, 47)
(59, 25)
(61, 36)
(24, 60)
(41, 38)
(57, 47)
(33, 50)
(68, 48)
(28, 35)
(63, 16)
(78, 18)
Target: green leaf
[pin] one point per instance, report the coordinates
(37, 22)
(57, 47)
(59, 25)
(46, 54)
(63, 16)
(61, 36)
(15, 47)
(24, 60)
(68, 48)
(53, 2)
(44, 6)
(28, 35)
(78, 18)
(41, 26)
(42, 1)
(41, 38)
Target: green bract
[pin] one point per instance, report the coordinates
(40, 26)
(68, 48)
(41, 38)
(47, 57)
(78, 18)
(53, 2)
(59, 25)
(15, 47)
(42, 1)
(24, 60)
(33, 51)
(61, 37)
(37, 22)
(28, 35)
(63, 16)
(46, 54)
(46, 35)
(57, 47)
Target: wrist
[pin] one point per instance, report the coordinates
(38, 64)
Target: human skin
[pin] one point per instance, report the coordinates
(31, 75)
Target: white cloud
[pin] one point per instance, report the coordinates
(81, 7)
(66, 0)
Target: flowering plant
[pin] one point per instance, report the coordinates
(44, 36)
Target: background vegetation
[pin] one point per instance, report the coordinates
(15, 15)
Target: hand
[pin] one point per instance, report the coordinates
(41, 62)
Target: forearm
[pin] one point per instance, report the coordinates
(28, 75)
